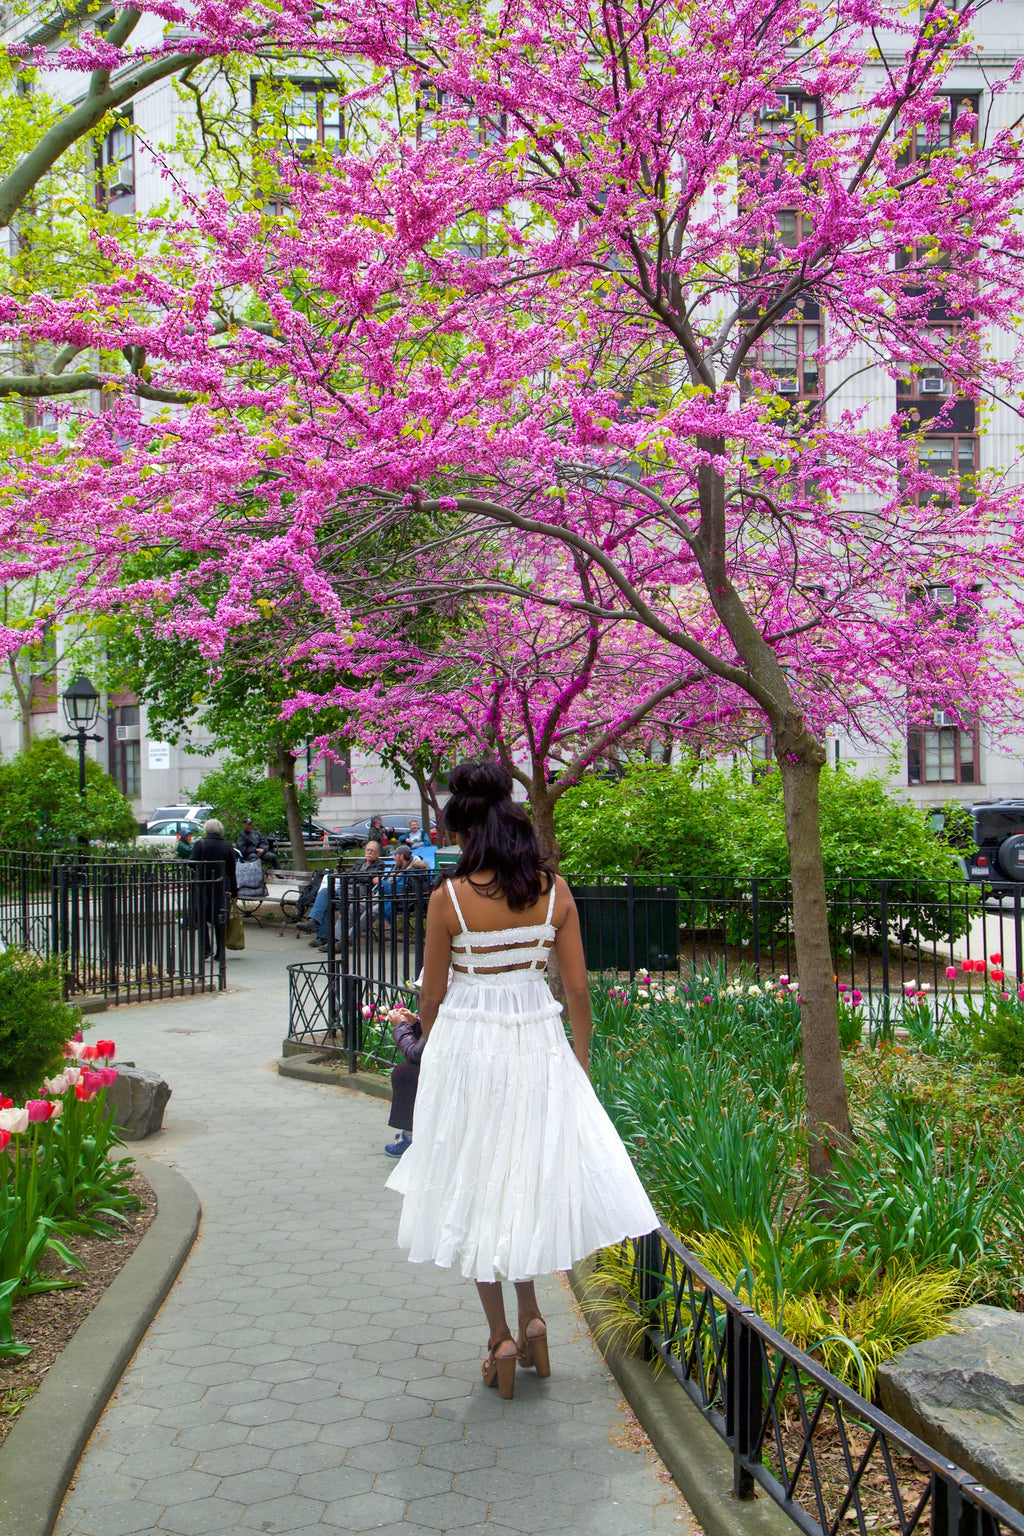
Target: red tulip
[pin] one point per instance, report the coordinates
(997, 975)
(106, 1048)
(996, 958)
(6, 1103)
(5, 1137)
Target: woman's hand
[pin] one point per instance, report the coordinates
(402, 1016)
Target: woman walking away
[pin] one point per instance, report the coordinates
(515, 1169)
(214, 858)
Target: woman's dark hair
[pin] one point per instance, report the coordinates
(497, 835)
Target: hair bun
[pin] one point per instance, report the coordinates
(487, 782)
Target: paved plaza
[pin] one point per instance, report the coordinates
(302, 1377)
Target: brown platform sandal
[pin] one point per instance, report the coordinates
(500, 1370)
(533, 1347)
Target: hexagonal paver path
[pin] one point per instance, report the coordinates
(302, 1378)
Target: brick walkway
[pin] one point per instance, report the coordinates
(302, 1377)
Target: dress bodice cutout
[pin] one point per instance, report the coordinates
(490, 952)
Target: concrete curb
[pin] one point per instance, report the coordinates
(700, 1463)
(39, 1457)
(306, 1071)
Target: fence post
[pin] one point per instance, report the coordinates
(631, 926)
(332, 959)
(742, 1398)
(883, 922)
(1018, 957)
(755, 917)
(353, 1020)
(953, 1515)
(650, 1273)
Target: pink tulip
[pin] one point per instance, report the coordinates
(856, 997)
(38, 1110)
(106, 1075)
(705, 999)
(951, 973)
(843, 987)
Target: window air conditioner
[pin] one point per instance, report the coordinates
(944, 718)
(933, 386)
(121, 189)
(789, 384)
(127, 732)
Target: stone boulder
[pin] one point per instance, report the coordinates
(137, 1101)
(963, 1394)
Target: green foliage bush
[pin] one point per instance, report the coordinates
(239, 788)
(1000, 1032)
(35, 1022)
(699, 823)
(40, 806)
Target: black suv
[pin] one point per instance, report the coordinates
(998, 860)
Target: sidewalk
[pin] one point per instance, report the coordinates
(303, 1378)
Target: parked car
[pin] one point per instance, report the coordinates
(354, 834)
(998, 859)
(179, 813)
(164, 834)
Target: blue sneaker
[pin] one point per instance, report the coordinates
(398, 1146)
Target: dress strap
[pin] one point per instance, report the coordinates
(551, 902)
(455, 904)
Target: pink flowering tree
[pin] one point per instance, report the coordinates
(654, 286)
(533, 679)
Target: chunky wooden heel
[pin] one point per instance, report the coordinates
(500, 1370)
(533, 1348)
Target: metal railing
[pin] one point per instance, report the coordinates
(328, 1008)
(822, 1452)
(127, 929)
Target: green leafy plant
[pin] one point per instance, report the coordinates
(35, 1021)
(999, 1031)
(240, 787)
(40, 806)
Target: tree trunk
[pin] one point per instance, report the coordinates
(542, 810)
(292, 809)
(801, 759)
(23, 692)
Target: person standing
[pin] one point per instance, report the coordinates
(214, 859)
(515, 1169)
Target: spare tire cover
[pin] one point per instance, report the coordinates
(1011, 857)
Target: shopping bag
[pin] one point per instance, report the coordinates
(234, 937)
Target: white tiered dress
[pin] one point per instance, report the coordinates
(515, 1170)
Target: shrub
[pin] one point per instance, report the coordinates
(40, 806)
(238, 789)
(35, 1022)
(1000, 1033)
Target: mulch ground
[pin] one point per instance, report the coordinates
(49, 1321)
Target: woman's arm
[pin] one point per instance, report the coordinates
(437, 957)
(573, 966)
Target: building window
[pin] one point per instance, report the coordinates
(948, 458)
(788, 352)
(437, 111)
(115, 166)
(941, 133)
(334, 778)
(125, 752)
(303, 114)
(943, 753)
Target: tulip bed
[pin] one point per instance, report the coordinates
(57, 1180)
(703, 1080)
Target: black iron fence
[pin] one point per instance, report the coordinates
(822, 1452)
(887, 935)
(129, 930)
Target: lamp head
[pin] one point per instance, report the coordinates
(81, 704)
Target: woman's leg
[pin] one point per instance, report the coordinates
(533, 1333)
(493, 1301)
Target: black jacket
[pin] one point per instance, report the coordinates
(251, 844)
(216, 854)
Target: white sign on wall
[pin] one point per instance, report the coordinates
(159, 754)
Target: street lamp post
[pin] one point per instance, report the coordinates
(81, 711)
(309, 770)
